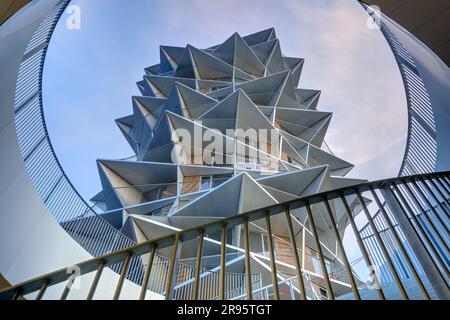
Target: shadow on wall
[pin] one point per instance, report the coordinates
(9, 7)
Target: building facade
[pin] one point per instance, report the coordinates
(219, 132)
(244, 83)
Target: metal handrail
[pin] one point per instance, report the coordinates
(390, 186)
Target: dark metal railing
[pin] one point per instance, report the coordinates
(414, 210)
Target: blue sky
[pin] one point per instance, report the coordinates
(90, 73)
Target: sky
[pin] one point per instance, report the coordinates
(90, 73)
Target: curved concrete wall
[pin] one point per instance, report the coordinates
(32, 242)
(427, 84)
(435, 75)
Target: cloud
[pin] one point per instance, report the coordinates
(361, 86)
(352, 65)
(92, 73)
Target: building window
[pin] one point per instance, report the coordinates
(206, 183)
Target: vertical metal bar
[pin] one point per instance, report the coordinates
(16, 295)
(430, 266)
(383, 247)
(94, 284)
(169, 284)
(436, 180)
(363, 249)
(123, 273)
(433, 182)
(148, 271)
(65, 292)
(425, 235)
(319, 251)
(446, 181)
(298, 267)
(202, 286)
(400, 244)
(223, 246)
(439, 203)
(444, 184)
(42, 290)
(208, 286)
(248, 287)
(272, 258)
(421, 208)
(198, 263)
(438, 216)
(342, 250)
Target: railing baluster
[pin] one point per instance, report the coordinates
(123, 273)
(382, 247)
(42, 290)
(223, 247)
(170, 284)
(272, 258)
(417, 242)
(444, 184)
(342, 250)
(446, 181)
(425, 236)
(439, 203)
(423, 196)
(66, 291)
(421, 208)
(433, 182)
(208, 287)
(400, 245)
(16, 295)
(301, 283)
(198, 263)
(248, 288)
(319, 250)
(148, 271)
(94, 284)
(363, 249)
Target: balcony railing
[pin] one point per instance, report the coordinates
(421, 239)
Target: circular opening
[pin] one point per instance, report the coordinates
(92, 69)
